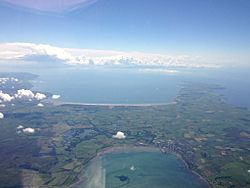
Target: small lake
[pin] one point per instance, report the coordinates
(140, 170)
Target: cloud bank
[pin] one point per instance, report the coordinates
(50, 5)
(21, 94)
(27, 51)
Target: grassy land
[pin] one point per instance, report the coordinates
(210, 135)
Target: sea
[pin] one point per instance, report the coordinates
(139, 86)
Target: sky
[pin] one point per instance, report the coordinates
(218, 28)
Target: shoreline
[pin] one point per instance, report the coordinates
(113, 104)
(193, 171)
(116, 149)
(127, 149)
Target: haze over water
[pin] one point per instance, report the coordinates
(137, 86)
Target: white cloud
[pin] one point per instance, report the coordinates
(157, 70)
(1, 115)
(29, 130)
(5, 97)
(132, 168)
(20, 127)
(40, 105)
(28, 94)
(50, 6)
(40, 96)
(119, 135)
(4, 80)
(24, 93)
(22, 51)
(56, 96)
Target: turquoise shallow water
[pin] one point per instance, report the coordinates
(141, 170)
(147, 170)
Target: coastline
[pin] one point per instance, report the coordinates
(116, 149)
(112, 104)
(124, 149)
(193, 171)
(127, 149)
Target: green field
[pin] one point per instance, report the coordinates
(210, 135)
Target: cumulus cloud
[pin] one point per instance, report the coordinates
(29, 130)
(119, 135)
(56, 96)
(20, 127)
(5, 97)
(4, 80)
(40, 96)
(28, 94)
(40, 105)
(132, 168)
(2, 105)
(1, 115)
(24, 93)
(22, 51)
(50, 6)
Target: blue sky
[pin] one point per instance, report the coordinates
(155, 26)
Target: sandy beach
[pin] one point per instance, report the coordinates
(112, 104)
